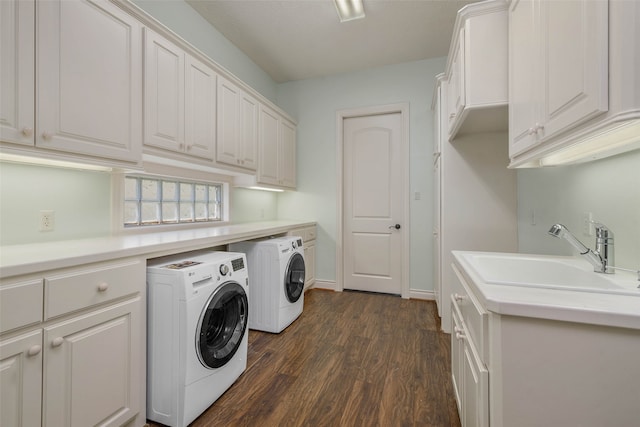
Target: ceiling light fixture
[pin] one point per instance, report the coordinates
(348, 10)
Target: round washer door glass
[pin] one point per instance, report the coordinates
(294, 278)
(222, 325)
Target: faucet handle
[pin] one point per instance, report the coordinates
(602, 231)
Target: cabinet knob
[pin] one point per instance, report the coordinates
(57, 342)
(47, 136)
(452, 115)
(181, 146)
(188, 148)
(460, 336)
(36, 349)
(27, 131)
(531, 131)
(458, 297)
(538, 127)
(102, 287)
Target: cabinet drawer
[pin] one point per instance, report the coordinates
(473, 315)
(20, 304)
(75, 290)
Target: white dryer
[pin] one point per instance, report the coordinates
(197, 332)
(276, 281)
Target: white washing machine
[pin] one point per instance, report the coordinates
(197, 332)
(276, 281)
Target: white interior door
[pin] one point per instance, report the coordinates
(373, 203)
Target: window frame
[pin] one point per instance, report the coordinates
(168, 173)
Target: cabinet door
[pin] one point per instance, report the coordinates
(228, 139)
(92, 367)
(163, 93)
(456, 85)
(248, 132)
(200, 109)
(21, 380)
(476, 388)
(17, 73)
(268, 125)
(89, 74)
(287, 165)
(524, 65)
(575, 40)
(310, 264)
(457, 352)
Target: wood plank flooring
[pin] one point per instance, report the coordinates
(351, 359)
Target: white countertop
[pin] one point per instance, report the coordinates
(596, 308)
(18, 260)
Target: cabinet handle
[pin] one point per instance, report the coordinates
(458, 330)
(452, 115)
(36, 349)
(458, 297)
(46, 136)
(538, 127)
(188, 147)
(27, 131)
(57, 342)
(181, 146)
(102, 287)
(531, 131)
(460, 336)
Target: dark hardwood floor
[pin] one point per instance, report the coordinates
(351, 359)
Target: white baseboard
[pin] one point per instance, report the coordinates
(324, 284)
(421, 294)
(413, 293)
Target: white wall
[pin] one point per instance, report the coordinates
(609, 188)
(191, 26)
(314, 103)
(253, 205)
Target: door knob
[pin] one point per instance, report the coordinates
(397, 226)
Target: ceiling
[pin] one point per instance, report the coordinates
(301, 39)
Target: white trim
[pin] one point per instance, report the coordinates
(341, 115)
(422, 294)
(325, 284)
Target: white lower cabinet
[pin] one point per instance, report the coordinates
(518, 370)
(21, 380)
(469, 372)
(79, 367)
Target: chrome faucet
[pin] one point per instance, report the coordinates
(602, 257)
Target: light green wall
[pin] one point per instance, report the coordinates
(253, 205)
(81, 201)
(191, 26)
(609, 188)
(314, 103)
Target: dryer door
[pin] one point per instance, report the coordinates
(294, 278)
(222, 325)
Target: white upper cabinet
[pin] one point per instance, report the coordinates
(17, 73)
(237, 141)
(180, 100)
(573, 80)
(89, 80)
(477, 70)
(559, 67)
(277, 142)
(87, 67)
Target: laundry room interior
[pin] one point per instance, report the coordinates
(266, 213)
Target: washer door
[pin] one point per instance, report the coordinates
(294, 278)
(222, 325)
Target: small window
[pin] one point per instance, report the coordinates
(153, 201)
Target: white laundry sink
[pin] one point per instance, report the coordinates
(567, 273)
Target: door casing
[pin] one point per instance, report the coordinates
(341, 115)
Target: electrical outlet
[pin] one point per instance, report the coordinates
(587, 223)
(47, 220)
